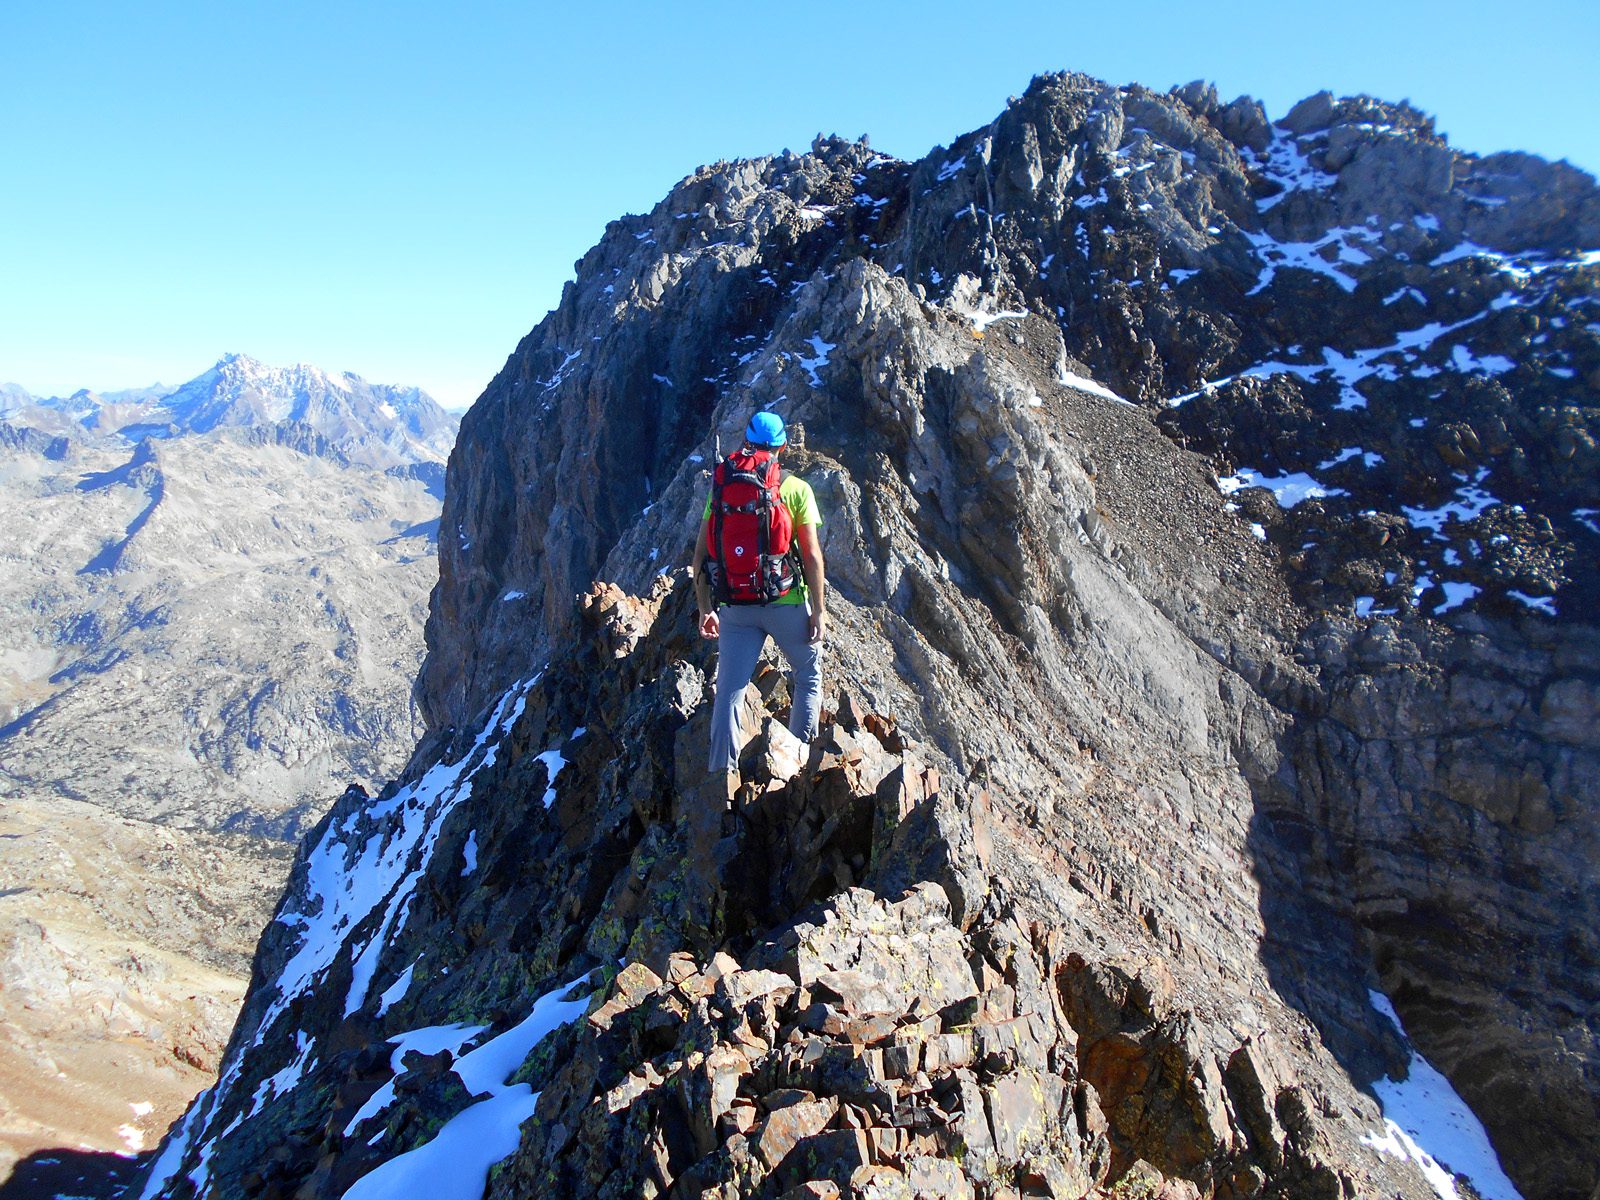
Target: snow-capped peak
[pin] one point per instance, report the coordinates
(381, 424)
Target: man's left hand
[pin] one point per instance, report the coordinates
(818, 627)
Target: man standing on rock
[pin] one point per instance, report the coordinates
(758, 573)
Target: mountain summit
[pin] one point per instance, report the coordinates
(1210, 756)
(345, 409)
(377, 424)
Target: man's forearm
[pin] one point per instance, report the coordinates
(816, 582)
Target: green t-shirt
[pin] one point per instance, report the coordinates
(801, 502)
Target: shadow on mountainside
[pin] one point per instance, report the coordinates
(1439, 841)
(57, 1174)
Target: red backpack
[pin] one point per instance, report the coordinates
(753, 553)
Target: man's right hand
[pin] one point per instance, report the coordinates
(816, 627)
(710, 625)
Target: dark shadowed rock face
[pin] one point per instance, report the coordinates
(1134, 782)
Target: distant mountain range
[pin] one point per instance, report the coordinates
(211, 610)
(376, 424)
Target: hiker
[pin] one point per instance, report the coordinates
(766, 522)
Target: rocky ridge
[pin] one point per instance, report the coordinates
(1139, 778)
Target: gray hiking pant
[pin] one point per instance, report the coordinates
(744, 631)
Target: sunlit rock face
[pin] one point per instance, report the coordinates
(1210, 524)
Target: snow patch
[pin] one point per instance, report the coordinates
(1520, 267)
(1288, 489)
(1464, 361)
(1471, 499)
(982, 320)
(1544, 604)
(1455, 595)
(454, 1164)
(819, 359)
(396, 991)
(1349, 368)
(1082, 383)
(553, 761)
(284, 1081)
(560, 372)
(428, 1040)
(1368, 458)
(1311, 256)
(1287, 165)
(1427, 1123)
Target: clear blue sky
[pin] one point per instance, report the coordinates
(400, 189)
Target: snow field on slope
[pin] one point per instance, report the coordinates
(1425, 1121)
(347, 878)
(428, 1040)
(171, 1158)
(454, 1164)
(377, 853)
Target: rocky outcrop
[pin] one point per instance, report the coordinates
(19, 438)
(1453, 774)
(1151, 754)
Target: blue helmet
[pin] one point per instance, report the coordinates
(766, 429)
